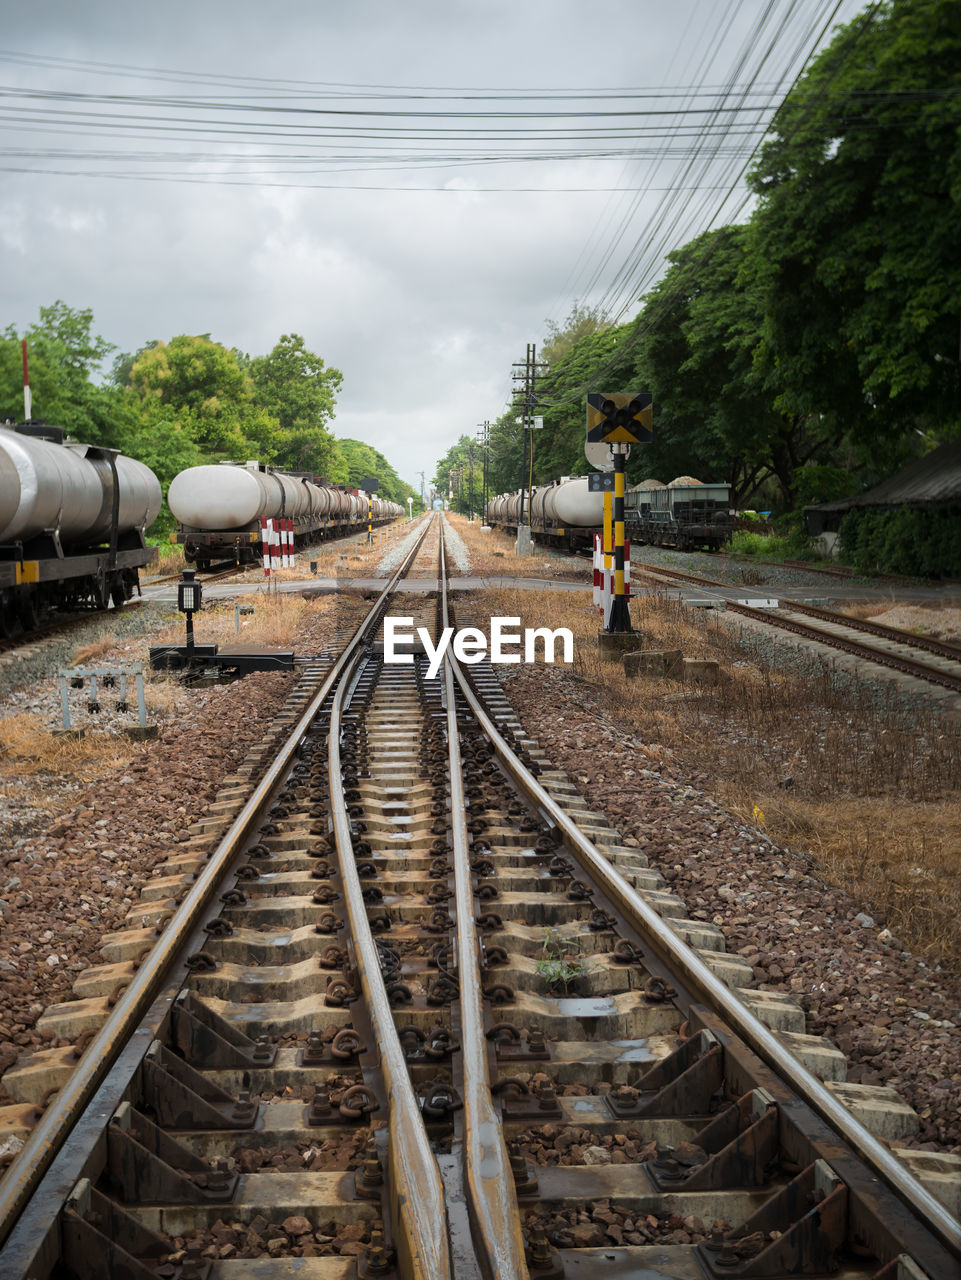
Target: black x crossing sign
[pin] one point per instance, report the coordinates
(624, 417)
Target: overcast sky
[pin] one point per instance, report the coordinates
(226, 205)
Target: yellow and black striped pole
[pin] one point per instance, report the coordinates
(620, 619)
(608, 543)
(370, 524)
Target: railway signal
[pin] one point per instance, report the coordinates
(189, 600)
(619, 420)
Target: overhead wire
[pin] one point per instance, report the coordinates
(653, 314)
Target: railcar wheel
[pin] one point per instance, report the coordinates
(120, 591)
(8, 615)
(28, 610)
(100, 592)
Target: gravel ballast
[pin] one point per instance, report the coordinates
(76, 849)
(897, 1020)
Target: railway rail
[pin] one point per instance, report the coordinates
(215, 573)
(897, 654)
(60, 625)
(417, 945)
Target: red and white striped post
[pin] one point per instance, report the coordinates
(265, 544)
(27, 407)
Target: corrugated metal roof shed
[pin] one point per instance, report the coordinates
(934, 479)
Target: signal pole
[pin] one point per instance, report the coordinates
(484, 439)
(470, 480)
(528, 402)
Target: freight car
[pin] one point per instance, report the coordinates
(218, 509)
(72, 523)
(683, 514)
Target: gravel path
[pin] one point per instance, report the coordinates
(897, 1020)
(458, 551)
(388, 563)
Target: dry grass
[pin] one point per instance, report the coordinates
(872, 794)
(277, 620)
(170, 559)
(90, 654)
(27, 745)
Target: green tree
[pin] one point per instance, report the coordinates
(64, 357)
(460, 472)
(581, 322)
(596, 358)
(695, 352)
(363, 460)
(208, 394)
(857, 232)
(293, 385)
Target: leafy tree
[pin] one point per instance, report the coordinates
(857, 232)
(460, 471)
(362, 460)
(64, 356)
(595, 359)
(209, 394)
(714, 416)
(294, 387)
(581, 322)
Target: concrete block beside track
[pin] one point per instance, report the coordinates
(705, 671)
(668, 663)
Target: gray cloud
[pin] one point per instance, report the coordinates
(422, 298)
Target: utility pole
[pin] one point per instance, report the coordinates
(528, 397)
(484, 439)
(423, 495)
(470, 480)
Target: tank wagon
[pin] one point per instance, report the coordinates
(72, 523)
(683, 514)
(218, 508)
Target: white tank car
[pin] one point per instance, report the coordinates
(571, 503)
(229, 496)
(48, 486)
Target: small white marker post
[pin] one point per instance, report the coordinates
(27, 409)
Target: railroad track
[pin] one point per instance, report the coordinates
(897, 650)
(204, 575)
(56, 627)
(419, 1008)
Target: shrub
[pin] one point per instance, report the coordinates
(744, 543)
(919, 542)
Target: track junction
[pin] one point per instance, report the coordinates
(412, 934)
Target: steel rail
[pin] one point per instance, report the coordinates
(39, 1151)
(926, 643)
(416, 1187)
(857, 648)
(711, 991)
(488, 1178)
